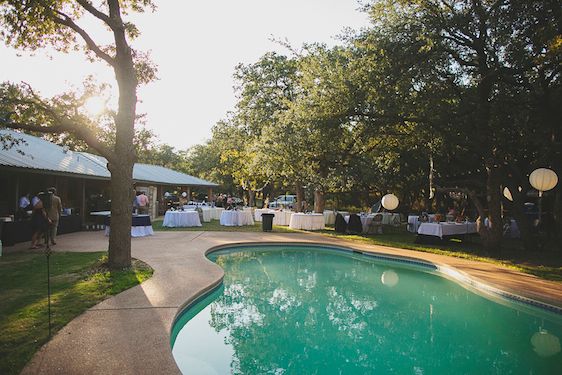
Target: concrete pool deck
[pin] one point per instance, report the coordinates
(130, 332)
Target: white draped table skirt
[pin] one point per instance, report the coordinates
(175, 219)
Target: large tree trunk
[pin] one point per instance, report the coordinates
(251, 198)
(300, 196)
(122, 162)
(319, 200)
(121, 212)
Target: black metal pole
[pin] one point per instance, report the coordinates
(48, 255)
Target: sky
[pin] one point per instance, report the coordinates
(196, 46)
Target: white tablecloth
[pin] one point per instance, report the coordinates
(390, 218)
(307, 221)
(414, 222)
(446, 229)
(232, 218)
(216, 212)
(329, 217)
(207, 214)
(280, 218)
(259, 211)
(173, 219)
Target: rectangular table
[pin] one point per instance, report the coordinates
(446, 229)
(232, 218)
(307, 221)
(141, 226)
(174, 219)
(20, 231)
(414, 222)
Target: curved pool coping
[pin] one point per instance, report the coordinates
(130, 333)
(448, 272)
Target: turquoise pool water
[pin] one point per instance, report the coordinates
(301, 310)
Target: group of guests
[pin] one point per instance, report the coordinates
(46, 209)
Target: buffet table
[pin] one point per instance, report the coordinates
(307, 221)
(174, 219)
(232, 218)
(141, 226)
(446, 229)
(20, 231)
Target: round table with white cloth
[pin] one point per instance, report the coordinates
(231, 218)
(329, 217)
(216, 212)
(282, 217)
(174, 219)
(307, 221)
(259, 211)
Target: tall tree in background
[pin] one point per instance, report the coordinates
(31, 25)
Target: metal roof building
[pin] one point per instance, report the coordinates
(38, 155)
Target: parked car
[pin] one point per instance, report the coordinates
(286, 201)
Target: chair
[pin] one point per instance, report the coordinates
(376, 225)
(340, 225)
(354, 226)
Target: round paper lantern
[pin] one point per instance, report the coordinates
(545, 344)
(390, 278)
(543, 179)
(167, 194)
(184, 194)
(390, 201)
(507, 194)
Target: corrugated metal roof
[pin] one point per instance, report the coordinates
(37, 153)
(40, 154)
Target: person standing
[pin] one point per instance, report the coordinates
(39, 222)
(54, 214)
(143, 203)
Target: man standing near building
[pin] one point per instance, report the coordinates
(54, 214)
(142, 200)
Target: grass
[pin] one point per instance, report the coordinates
(78, 281)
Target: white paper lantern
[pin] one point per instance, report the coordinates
(390, 202)
(543, 179)
(545, 344)
(390, 278)
(507, 194)
(184, 194)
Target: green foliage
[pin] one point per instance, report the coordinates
(78, 281)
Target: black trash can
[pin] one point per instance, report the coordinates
(267, 222)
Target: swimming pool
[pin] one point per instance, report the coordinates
(305, 310)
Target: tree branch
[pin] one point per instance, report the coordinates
(96, 13)
(65, 20)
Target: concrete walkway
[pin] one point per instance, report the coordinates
(130, 333)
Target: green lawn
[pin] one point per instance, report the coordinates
(78, 281)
